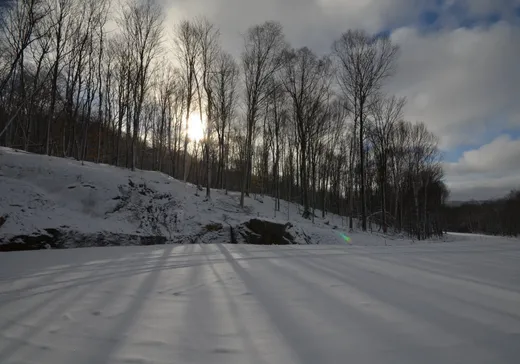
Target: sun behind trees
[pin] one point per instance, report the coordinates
(307, 128)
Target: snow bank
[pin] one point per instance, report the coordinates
(61, 202)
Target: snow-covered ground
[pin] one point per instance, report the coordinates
(89, 203)
(218, 303)
(373, 300)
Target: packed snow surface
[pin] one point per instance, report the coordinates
(238, 304)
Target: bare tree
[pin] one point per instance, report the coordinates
(208, 38)
(187, 51)
(40, 74)
(18, 24)
(89, 45)
(363, 63)
(103, 8)
(166, 89)
(307, 80)
(398, 165)
(385, 112)
(278, 121)
(123, 70)
(142, 26)
(423, 165)
(177, 107)
(225, 85)
(261, 59)
(333, 158)
(64, 25)
(21, 25)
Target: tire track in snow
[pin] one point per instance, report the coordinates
(373, 321)
(239, 319)
(126, 320)
(37, 305)
(485, 297)
(292, 331)
(60, 302)
(493, 343)
(193, 322)
(315, 312)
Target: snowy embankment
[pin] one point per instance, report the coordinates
(57, 202)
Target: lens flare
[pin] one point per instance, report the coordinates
(345, 237)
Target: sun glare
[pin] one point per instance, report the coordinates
(195, 127)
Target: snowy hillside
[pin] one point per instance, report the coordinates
(85, 204)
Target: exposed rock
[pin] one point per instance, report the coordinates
(254, 231)
(62, 239)
(215, 226)
(264, 232)
(3, 219)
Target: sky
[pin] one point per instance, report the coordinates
(458, 68)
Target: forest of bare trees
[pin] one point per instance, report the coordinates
(492, 217)
(119, 85)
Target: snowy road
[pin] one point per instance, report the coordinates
(438, 303)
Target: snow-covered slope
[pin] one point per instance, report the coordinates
(99, 204)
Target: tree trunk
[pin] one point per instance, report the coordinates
(54, 88)
(362, 165)
(383, 192)
(417, 213)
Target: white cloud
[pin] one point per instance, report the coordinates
(481, 190)
(460, 82)
(487, 172)
(312, 23)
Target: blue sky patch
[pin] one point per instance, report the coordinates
(432, 18)
(455, 153)
(383, 33)
(486, 20)
(429, 17)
